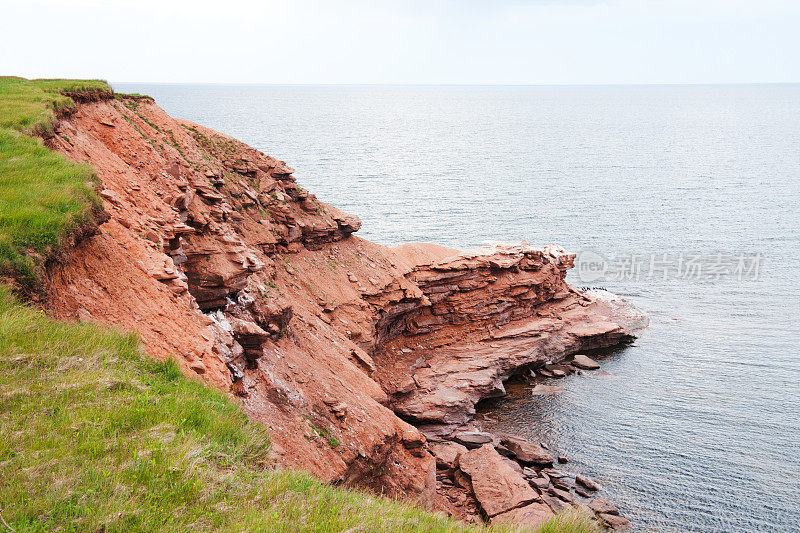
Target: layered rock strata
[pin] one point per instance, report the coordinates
(217, 257)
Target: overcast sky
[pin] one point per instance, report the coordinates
(397, 41)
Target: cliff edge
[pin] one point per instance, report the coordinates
(354, 355)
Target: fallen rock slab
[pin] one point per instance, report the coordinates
(473, 439)
(502, 450)
(556, 504)
(545, 390)
(560, 483)
(563, 494)
(531, 515)
(515, 466)
(446, 453)
(496, 486)
(526, 451)
(585, 362)
(540, 482)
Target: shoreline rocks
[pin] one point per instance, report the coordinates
(603, 506)
(473, 439)
(446, 453)
(512, 480)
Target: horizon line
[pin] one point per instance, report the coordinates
(410, 84)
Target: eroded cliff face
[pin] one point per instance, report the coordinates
(217, 257)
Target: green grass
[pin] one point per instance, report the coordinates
(31, 106)
(571, 521)
(44, 198)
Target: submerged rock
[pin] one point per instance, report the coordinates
(545, 390)
(601, 505)
(587, 482)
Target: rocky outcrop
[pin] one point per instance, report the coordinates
(510, 310)
(510, 480)
(217, 257)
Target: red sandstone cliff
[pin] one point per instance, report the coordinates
(216, 256)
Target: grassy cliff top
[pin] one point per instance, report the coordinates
(32, 106)
(44, 198)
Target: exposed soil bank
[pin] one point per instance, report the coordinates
(215, 255)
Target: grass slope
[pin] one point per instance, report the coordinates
(95, 436)
(44, 198)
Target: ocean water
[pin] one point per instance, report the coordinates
(685, 199)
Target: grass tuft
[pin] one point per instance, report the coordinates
(571, 521)
(32, 106)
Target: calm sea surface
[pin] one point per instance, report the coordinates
(688, 198)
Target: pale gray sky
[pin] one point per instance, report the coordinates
(411, 41)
